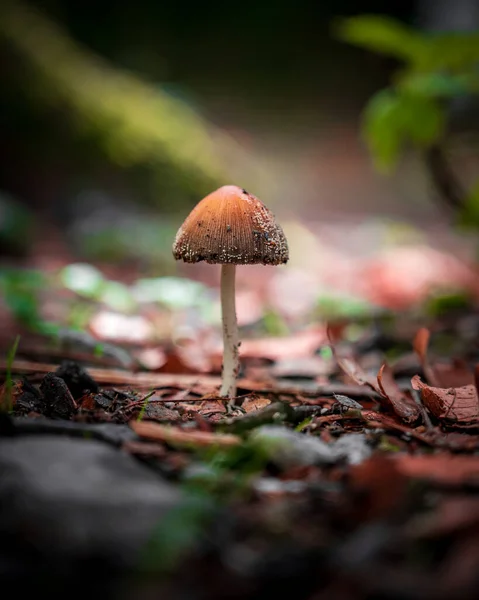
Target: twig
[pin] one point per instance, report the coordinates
(147, 380)
(179, 437)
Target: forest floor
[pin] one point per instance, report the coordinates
(348, 469)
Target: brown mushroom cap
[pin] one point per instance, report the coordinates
(231, 226)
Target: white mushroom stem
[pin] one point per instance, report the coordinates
(230, 332)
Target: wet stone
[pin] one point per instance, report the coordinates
(73, 498)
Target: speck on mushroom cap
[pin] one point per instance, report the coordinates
(231, 226)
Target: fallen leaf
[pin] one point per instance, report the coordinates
(87, 402)
(300, 345)
(112, 326)
(182, 438)
(458, 405)
(254, 403)
(402, 277)
(204, 407)
(402, 405)
(151, 358)
(354, 371)
(183, 362)
(420, 345)
(378, 487)
(348, 363)
(441, 468)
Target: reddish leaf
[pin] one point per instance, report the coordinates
(458, 405)
(348, 364)
(379, 487)
(421, 342)
(87, 402)
(253, 403)
(400, 402)
(204, 407)
(420, 345)
(299, 345)
(441, 468)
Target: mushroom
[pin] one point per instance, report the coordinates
(230, 227)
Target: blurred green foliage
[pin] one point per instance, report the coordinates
(435, 68)
(15, 224)
(134, 123)
(218, 477)
(20, 289)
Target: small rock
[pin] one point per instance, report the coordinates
(273, 485)
(112, 433)
(288, 448)
(57, 397)
(78, 380)
(353, 448)
(71, 339)
(72, 498)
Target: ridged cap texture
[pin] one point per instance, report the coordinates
(231, 226)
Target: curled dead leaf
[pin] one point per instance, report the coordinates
(457, 405)
(399, 401)
(420, 345)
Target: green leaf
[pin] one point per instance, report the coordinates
(448, 51)
(383, 35)
(83, 279)
(20, 290)
(391, 120)
(438, 85)
(469, 217)
(382, 131)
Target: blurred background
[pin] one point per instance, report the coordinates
(355, 121)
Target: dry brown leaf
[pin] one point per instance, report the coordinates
(421, 342)
(442, 468)
(420, 345)
(87, 402)
(402, 405)
(253, 403)
(299, 345)
(354, 371)
(180, 437)
(204, 407)
(379, 485)
(458, 405)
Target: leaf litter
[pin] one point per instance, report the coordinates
(340, 464)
